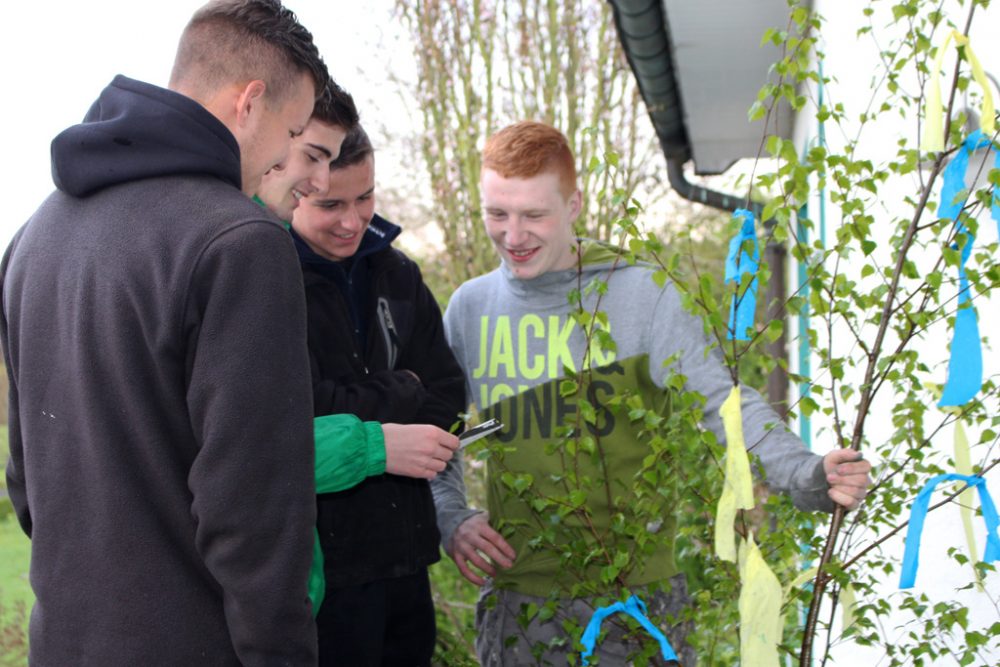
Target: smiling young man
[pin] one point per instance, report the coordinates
(512, 332)
(378, 351)
(306, 170)
(161, 455)
(347, 450)
(530, 221)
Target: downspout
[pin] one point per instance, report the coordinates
(643, 31)
(775, 256)
(702, 195)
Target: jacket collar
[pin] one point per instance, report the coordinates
(379, 236)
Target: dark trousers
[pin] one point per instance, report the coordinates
(387, 623)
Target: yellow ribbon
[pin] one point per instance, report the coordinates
(963, 465)
(737, 489)
(760, 608)
(848, 601)
(933, 139)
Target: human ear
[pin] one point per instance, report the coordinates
(249, 101)
(575, 204)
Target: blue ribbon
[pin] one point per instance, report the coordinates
(965, 366)
(635, 608)
(739, 262)
(954, 178)
(954, 175)
(911, 554)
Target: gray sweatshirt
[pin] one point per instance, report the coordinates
(513, 337)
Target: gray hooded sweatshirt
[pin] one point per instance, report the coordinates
(513, 339)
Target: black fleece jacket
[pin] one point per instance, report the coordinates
(161, 454)
(368, 326)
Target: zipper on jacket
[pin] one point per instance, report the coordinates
(388, 331)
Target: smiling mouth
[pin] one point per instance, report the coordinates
(521, 255)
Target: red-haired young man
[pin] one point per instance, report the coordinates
(513, 334)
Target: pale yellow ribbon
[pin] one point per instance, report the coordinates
(737, 489)
(761, 596)
(963, 465)
(760, 608)
(933, 139)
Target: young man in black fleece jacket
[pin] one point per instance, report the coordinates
(377, 348)
(347, 450)
(154, 333)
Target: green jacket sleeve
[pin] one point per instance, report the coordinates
(348, 450)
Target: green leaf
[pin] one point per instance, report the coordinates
(774, 330)
(523, 482)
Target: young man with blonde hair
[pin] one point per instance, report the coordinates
(512, 333)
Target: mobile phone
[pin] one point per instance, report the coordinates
(480, 431)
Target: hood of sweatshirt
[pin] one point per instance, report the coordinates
(136, 130)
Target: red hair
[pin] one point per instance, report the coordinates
(529, 148)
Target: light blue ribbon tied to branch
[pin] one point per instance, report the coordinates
(738, 263)
(911, 554)
(635, 608)
(965, 366)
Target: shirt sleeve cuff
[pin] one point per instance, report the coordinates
(375, 449)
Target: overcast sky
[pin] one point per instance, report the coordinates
(55, 57)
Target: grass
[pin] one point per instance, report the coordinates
(454, 597)
(454, 605)
(15, 552)
(16, 597)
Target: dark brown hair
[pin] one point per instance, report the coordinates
(335, 106)
(355, 149)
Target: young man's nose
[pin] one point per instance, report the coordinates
(352, 219)
(319, 183)
(515, 233)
